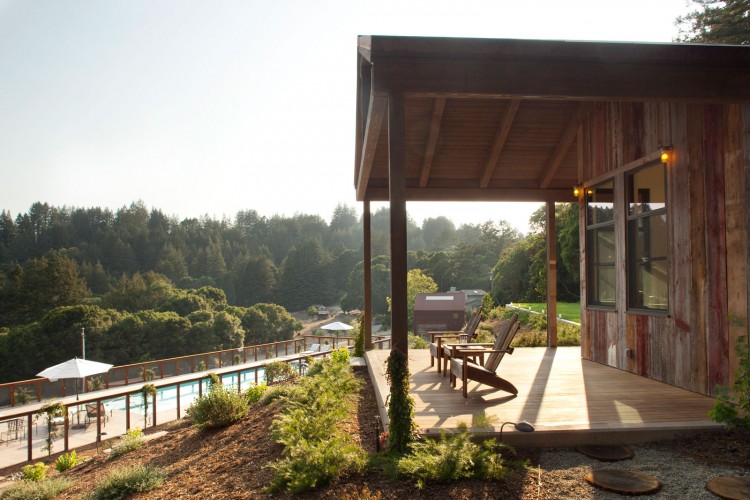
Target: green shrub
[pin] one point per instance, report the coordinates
(220, 407)
(66, 461)
(132, 440)
(278, 371)
(341, 355)
(36, 472)
(127, 481)
(732, 406)
(359, 341)
(316, 451)
(213, 380)
(32, 490)
(315, 463)
(568, 335)
(255, 392)
(452, 458)
(279, 392)
(417, 342)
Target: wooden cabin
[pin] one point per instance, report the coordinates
(653, 142)
(439, 312)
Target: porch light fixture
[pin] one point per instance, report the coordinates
(577, 190)
(666, 153)
(522, 426)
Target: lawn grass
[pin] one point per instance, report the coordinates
(569, 310)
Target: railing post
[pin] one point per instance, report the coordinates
(28, 439)
(153, 399)
(127, 412)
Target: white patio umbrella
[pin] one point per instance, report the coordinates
(74, 368)
(337, 326)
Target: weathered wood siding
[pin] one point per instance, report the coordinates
(708, 182)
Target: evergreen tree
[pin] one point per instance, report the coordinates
(716, 21)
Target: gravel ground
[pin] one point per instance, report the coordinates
(682, 476)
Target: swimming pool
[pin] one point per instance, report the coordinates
(166, 397)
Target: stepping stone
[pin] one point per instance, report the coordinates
(604, 453)
(624, 482)
(729, 487)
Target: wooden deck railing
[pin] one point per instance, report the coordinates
(41, 388)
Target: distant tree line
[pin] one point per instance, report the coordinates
(139, 267)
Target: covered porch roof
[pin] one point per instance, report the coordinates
(497, 119)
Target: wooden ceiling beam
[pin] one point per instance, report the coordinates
(499, 143)
(429, 150)
(375, 115)
(475, 194)
(563, 145)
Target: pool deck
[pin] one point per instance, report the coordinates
(570, 401)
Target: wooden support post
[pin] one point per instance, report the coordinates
(367, 263)
(397, 196)
(127, 412)
(29, 448)
(551, 276)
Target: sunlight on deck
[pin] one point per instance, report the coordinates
(568, 399)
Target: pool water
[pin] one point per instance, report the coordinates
(166, 397)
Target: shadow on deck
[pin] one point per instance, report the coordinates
(570, 401)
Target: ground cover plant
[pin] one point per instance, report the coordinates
(131, 440)
(534, 329)
(315, 451)
(732, 406)
(66, 461)
(219, 407)
(36, 490)
(127, 481)
(453, 457)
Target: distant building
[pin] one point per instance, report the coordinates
(439, 311)
(474, 297)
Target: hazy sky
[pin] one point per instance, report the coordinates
(210, 107)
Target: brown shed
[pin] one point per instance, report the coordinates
(439, 311)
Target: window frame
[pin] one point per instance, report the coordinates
(631, 266)
(593, 266)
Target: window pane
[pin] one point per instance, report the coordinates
(606, 286)
(647, 190)
(604, 244)
(600, 203)
(647, 261)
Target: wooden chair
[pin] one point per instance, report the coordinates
(439, 339)
(461, 366)
(93, 414)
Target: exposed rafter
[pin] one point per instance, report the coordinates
(375, 115)
(497, 145)
(563, 145)
(429, 150)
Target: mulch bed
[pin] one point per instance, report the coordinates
(233, 462)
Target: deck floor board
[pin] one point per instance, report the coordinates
(570, 400)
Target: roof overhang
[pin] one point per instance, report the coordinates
(497, 120)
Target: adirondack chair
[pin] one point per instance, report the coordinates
(439, 339)
(462, 367)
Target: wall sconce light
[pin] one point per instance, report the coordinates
(666, 153)
(577, 189)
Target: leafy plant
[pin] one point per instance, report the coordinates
(36, 472)
(132, 440)
(451, 458)
(213, 380)
(148, 390)
(147, 374)
(127, 481)
(49, 412)
(359, 341)
(279, 371)
(32, 490)
(417, 342)
(67, 461)
(201, 366)
(400, 404)
(220, 407)
(95, 384)
(316, 451)
(341, 355)
(732, 407)
(22, 396)
(255, 392)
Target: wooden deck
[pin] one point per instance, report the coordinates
(570, 400)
